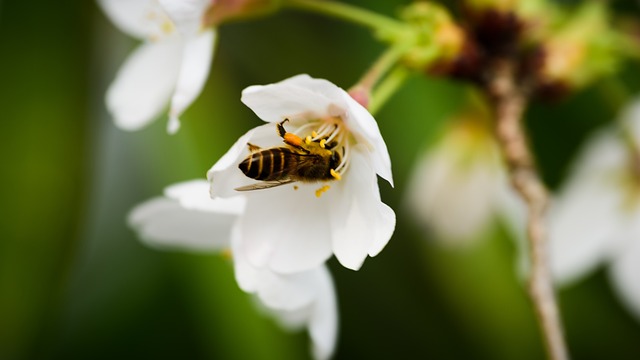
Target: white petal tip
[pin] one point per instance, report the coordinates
(128, 124)
(351, 264)
(174, 125)
(390, 181)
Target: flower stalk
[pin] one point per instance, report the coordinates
(362, 90)
(387, 88)
(509, 102)
(383, 25)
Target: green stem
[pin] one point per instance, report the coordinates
(615, 93)
(388, 87)
(387, 60)
(628, 46)
(382, 24)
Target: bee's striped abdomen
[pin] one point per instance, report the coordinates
(266, 165)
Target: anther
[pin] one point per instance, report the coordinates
(320, 191)
(226, 253)
(307, 140)
(335, 174)
(323, 142)
(314, 134)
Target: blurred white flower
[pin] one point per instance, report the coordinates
(296, 300)
(171, 65)
(596, 216)
(460, 184)
(298, 225)
(188, 219)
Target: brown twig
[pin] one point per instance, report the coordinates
(509, 100)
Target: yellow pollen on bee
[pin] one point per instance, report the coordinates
(292, 139)
(307, 140)
(314, 134)
(335, 174)
(323, 142)
(323, 189)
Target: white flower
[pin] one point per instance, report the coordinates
(299, 225)
(460, 184)
(295, 300)
(171, 65)
(596, 216)
(188, 219)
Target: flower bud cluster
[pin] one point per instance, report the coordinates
(555, 50)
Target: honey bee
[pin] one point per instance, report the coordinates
(303, 160)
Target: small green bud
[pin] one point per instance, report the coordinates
(583, 49)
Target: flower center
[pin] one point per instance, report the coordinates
(331, 134)
(159, 23)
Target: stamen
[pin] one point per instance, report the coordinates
(314, 134)
(226, 253)
(167, 27)
(344, 160)
(322, 132)
(323, 189)
(307, 140)
(323, 142)
(301, 129)
(335, 175)
(337, 130)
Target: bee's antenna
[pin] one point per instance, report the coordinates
(280, 127)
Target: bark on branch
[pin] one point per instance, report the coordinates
(509, 100)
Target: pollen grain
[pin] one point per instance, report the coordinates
(323, 189)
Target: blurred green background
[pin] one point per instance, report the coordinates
(76, 283)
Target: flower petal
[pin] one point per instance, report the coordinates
(320, 316)
(361, 224)
(286, 242)
(165, 224)
(196, 61)
(624, 273)
(453, 190)
(323, 326)
(194, 195)
(144, 84)
(225, 176)
(130, 16)
(362, 124)
(186, 14)
(281, 292)
(586, 218)
(298, 97)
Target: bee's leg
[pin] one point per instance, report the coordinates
(253, 148)
(280, 127)
(291, 139)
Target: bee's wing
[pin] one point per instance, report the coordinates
(264, 185)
